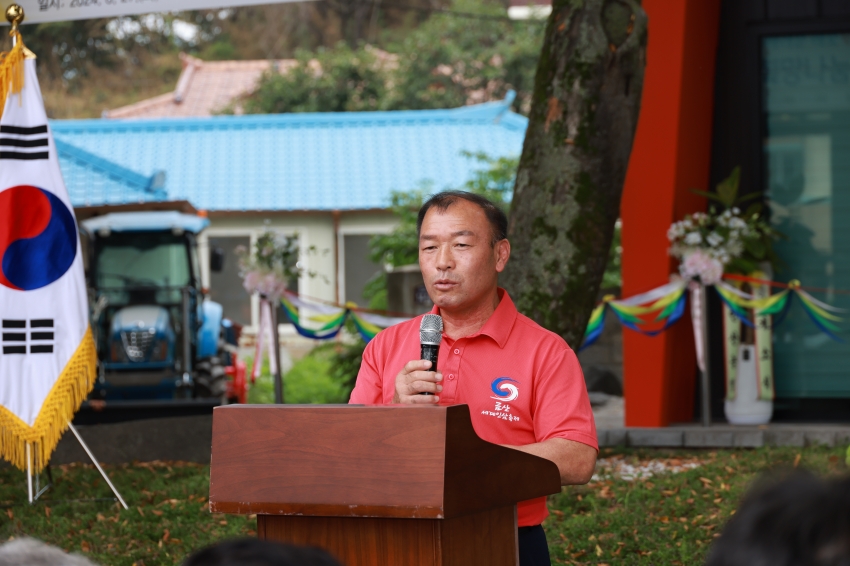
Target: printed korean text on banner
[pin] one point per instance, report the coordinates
(734, 315)
(47, 356)
(764, 345)
(40, 11)
(731, 344)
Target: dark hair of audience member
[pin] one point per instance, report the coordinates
(795, 520)
(255, 552)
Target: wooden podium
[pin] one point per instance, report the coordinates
(394, 485)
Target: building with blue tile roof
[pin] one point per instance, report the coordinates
(326, 176)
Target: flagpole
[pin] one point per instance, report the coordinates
(96, 464)
(29, 473)
(15, 15)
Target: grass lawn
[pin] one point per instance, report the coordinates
(669, 518)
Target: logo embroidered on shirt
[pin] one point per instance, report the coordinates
(505, 391)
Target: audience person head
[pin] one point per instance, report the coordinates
(32, 552)
(794, 520)
(255, 552)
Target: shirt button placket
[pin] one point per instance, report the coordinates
(450, 375)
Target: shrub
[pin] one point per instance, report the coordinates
(311, 380)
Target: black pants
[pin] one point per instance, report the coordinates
(533, 549)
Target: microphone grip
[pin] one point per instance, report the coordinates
(430, 353)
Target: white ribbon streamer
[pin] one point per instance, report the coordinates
(264, 333)
(379, 320)
(734, 290)
(318, 308)
(653, 295)
(697, 312)
(821, 304)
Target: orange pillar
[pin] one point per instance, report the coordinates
(671, 155)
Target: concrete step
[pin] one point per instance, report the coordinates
(727, 436)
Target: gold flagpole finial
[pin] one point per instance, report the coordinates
(15, 15)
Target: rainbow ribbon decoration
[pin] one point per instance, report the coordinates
(820, 313)
(329, 330)
(736, 300)
(778, 305)
(595, 326)
(667, 303)
(332, 318)
(366, 329)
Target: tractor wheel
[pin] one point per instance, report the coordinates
(210, 379)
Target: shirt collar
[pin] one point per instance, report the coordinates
(501, 322)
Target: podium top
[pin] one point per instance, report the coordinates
(356, 461)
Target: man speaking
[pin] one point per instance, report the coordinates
(523, 384)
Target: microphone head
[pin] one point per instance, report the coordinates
(431, 329)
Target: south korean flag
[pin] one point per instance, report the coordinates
(47, 355)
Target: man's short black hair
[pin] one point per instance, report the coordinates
(798, 519)
(443, 200)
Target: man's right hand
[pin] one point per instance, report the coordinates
(415, 379)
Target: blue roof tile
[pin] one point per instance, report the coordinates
(315, 161)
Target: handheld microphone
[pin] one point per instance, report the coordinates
(430, 335)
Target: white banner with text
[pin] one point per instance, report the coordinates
(40, 11)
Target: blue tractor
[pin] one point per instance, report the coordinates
(157, 337)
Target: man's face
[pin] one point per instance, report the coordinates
(458, 263)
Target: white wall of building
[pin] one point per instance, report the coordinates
(321, 238)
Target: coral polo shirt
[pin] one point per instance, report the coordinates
(522, 383)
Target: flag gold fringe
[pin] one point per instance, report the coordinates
(12, 70)
(68, 393)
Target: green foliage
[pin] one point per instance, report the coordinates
(446, 62)
(219, 51)
(667, 519)
(401, 246)
(331, 80)
(273, 252)
(311, 381)
(758, 240)
(345, 359)
(495, 181)
(727, 194)
(449, 61)
(315, 378)
(375, 291)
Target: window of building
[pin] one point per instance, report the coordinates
(226, 286)
(806, 102)
(359, 269)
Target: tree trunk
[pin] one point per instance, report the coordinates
(567, 195)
